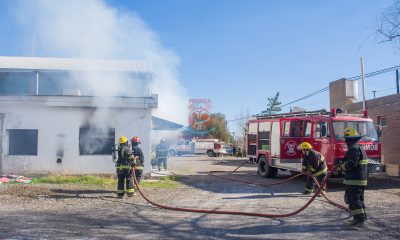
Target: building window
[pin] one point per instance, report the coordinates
(382, 121)
(96, 141)
(22, 141)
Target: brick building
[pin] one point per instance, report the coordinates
(384, 111)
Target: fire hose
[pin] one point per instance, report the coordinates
(228, 212)
(280, 182)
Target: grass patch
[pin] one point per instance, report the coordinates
(164, 182)
(79, 179)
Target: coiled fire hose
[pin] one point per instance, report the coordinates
(268, 215)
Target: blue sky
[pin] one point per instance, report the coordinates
(239, 52)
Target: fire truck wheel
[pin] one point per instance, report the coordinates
(172, 152)
(210, 153)
(265, 170)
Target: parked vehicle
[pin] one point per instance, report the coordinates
(181, 148)
(211, 147)
(272, 141)
(228, 150)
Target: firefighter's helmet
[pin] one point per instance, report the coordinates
(163, 140)
(351, 133)
(304, 146)
(135, 140)
(123, 140)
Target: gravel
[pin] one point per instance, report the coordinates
(50, 211)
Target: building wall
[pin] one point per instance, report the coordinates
(58, 127)
(389, 107)
(342, 92)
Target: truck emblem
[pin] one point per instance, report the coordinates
(291, 147)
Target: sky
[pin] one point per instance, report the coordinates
(240, 52)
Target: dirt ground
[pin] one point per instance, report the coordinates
(89, 212)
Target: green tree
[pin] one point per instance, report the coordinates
(219, 127)
(273, 105)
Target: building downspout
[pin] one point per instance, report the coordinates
(2, 116)
(37, 84)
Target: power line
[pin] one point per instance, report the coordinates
(371, 74)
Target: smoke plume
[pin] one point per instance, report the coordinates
(92, 29)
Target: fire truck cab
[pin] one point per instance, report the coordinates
(272, 140)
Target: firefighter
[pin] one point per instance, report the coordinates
(355, 167)
(125, 162)
(137, 152)
(162, 154)
(313, 163)
(239, 152)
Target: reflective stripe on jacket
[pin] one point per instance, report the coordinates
(125, 158)
(315, 163)
(355, 165)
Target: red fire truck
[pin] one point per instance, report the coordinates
(272, 140)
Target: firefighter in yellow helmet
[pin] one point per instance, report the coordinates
(313, 163)
(126, 160)
(355, 167)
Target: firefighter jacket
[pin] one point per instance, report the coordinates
(355, 165)
(137, 152)
(125, 158)
(314, 162)
(162, 150)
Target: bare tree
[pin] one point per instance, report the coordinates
(241, 124)
(388, 29)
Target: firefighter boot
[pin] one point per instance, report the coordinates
(130, 192)
(357, 223)
(322, 193)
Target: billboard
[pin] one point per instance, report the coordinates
(199, 115)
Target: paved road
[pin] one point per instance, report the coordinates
(65, 211)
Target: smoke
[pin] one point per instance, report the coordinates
(92, 29)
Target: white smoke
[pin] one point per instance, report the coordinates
(93, 29)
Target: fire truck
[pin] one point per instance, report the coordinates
(272, 141)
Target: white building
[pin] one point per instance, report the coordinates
(64, 115)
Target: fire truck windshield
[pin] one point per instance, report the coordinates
(365, 128)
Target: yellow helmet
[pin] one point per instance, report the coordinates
(350, 133)
(304, 146)
(123, 140)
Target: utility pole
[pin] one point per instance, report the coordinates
(363, 88)
(374, 93)
(397, 80)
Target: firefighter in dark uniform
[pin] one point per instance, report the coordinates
(137, 152)
(313, 163)
(355, 167)
(125, 162)
(234, 150)
(162, 154)
(239, 152)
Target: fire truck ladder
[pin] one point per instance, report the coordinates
(293, 114)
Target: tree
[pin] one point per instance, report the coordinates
(388, 29)
(273, 105)
(219, 127)
(241, 124)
